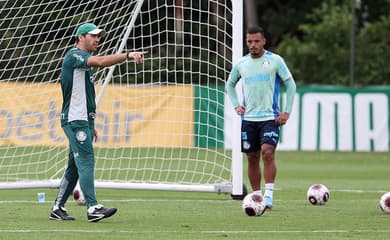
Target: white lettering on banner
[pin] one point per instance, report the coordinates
(371, 122)
(327, 117)
(333, 121)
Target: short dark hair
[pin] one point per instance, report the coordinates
(255, 29)
(77, 37)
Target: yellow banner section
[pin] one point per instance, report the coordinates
(126, 117)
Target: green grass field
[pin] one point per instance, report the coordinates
(356, 182)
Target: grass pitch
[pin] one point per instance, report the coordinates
(356, 182)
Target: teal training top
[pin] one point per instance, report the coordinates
(260, 84)
(78, 91)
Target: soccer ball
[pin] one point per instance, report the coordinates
(78, 195)
(253, 204)
(384, 202)
(318, 194)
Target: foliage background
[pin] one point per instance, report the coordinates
(314, 37)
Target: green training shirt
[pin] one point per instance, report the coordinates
(77, 86)
(260, 84)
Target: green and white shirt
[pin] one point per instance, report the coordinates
(77, 86)
(260, 84)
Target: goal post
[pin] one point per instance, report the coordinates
(161, 123)
(237, 166)
(122, 45)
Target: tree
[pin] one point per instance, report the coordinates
(322, 54)
(281, 17)
(372, 53)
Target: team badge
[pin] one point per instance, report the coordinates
(246, 145)
(81, 136)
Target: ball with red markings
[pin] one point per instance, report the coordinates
(384, 202)
(318, 194)
(78, 195)
(254, 205)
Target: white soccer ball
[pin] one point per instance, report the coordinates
(78, 195)
(318, 194)
(253, 204)
(384, 202)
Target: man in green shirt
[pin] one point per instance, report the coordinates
(77, 119)
(260, 72)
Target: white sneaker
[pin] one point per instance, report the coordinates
(268, 202)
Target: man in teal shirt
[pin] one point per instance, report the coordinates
(78, 117)
(261, 72)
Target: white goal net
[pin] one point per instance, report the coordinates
(160, 123)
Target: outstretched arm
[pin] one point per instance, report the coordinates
(108, 60)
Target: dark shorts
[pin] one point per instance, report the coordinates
(255, 134)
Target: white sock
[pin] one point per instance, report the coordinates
(92, 208)
(269, 190)
(258, 192)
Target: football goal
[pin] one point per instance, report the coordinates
(160, 123)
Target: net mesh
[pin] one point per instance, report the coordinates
(158, 122)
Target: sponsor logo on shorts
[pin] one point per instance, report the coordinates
(271, 134)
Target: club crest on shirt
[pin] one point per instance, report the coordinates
(246, 145)
(81, 136)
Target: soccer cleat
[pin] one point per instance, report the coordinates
(98, 212)
(60, 214)
(268, 202)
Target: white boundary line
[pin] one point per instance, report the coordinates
(194, 232)
(360, 191)
(189, 200)
(125, 200)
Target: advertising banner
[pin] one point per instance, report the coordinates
(322, 119)
(126, 117)
(333, 119)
